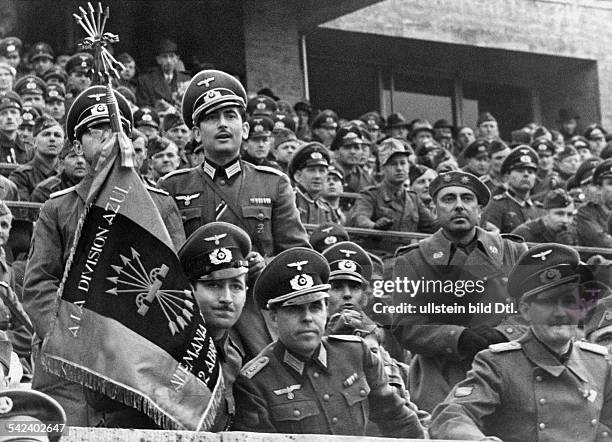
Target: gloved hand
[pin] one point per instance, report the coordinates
(492, 335)
(471, 343)
(383, 223)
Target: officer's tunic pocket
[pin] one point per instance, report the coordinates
(191, 219)
(297, 417)
(355, 396)
(261, 218)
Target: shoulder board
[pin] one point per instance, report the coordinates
(53, 183)
(368, 188)
(538, 204)
(589, 346)
(403, 249)
(156, 190)
(175, 172)
(512, 237)
(501, 196)
(268, 169)
(505, 346)
(254, 367)
(61, 192)
(350, 338)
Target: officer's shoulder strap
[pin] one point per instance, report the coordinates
(54, 181)
(405, 249)
(253, 367)
(155, 189)
(61, 192)
(267, 169)
(505, 346)
(594, 348)
(349, 338)
(513, 237)
(499, 197)
(175, 172)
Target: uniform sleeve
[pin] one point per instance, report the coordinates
(461, 414)
(43, 271)
(493, 213)
(524, 232)
(427, 221)
(21, 181)
(415, 332)
(172, 219)
(362, 212)
(591, 233)
(387, 407)
(252, 413)
(144, 96)
(287, 229)
(40, 194)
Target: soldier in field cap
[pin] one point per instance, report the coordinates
(546, 385)
(512, 208)
(556, 225)
(307, 383)
(325, 127)
(258, 199)
(214, 258)
(592, 217)
(443, 345)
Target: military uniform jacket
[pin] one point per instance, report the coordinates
(8, 190)
(592, 218)
(495, 185)
(28, 176)
(335, 392)
(355, 178)
(546, 181)
(313, 211)
(507, 212)
(50, 247)
(231, 362)
(433, 338)
(45, 188)
(14, 151)
(520, 391)
(536, 231)
(260, 200)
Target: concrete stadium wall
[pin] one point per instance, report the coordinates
(566, 28)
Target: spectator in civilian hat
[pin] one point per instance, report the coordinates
(397, 126)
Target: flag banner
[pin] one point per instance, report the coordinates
(128, 325)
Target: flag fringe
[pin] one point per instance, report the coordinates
(131, 399)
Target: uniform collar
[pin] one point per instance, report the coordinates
(543, 357)
(522, 203)
(297, 364)
(299, 189)
(42, 165)
(437, 248)
(226, 171)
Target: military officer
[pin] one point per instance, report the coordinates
(513, 207)
(592, 217)
(88, 128)
(13, 148)
(73, 169)
(304, 382)
(324, 127)
(32, 91)
(557, 225)
(259, 142)
(348, 149)
(256, 198)
(391, 205)
(598, 324)
(477, 158)
(48, 142)
(546, 177)
(214, 259)
(457, 255)
(498, 151)
(544, 386)
(326, 235)
(308, 168)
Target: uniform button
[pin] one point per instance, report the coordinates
(334, 420)
(260, 216)
(315, 375)
(222, 182)
(509, 330)
(542, 425)
(449, 350)
(594, 422)
(542, 401)
(509, 299)
(538, 378)
(296, 413)
(504, 280)
(453, 332)
(326, 397)
(362, 393)
(604, 434)
(484, 278)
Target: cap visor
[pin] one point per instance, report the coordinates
(224, 274)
